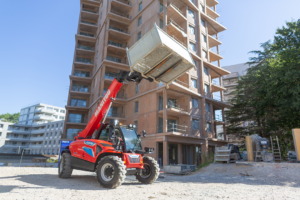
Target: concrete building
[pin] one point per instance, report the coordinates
(30, 131)
(180, 120)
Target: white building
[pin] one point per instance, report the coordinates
(31, 131)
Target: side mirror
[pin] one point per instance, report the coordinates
(144, 133)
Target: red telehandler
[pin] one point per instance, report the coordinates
(112, 150)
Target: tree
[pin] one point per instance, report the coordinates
(269, 95)
(14, 118)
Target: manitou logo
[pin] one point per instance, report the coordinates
(102, 102)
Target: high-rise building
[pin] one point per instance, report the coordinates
(180, 119)
(30, 133)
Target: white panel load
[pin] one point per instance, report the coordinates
(159, 56)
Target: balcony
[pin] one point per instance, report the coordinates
(213, 56)
(38, 131)
(119, 11)
(44, 117)
(218, 119)
(117, 115)
(18, 131)
(116, 62)
(217, 69)
(37, 139)
(228, 83)
(86, 80)
(122, 5)
(89, 12)
(88, 26)
(116, 48)
(44, 110)
(190, 3)
(211, 3)
(18, 139)
(232, 75)
(175, 13)
(213, 42)
(211, 13)
(76, 120)
(217, 87)
(93, 2)
(120, 33)
(174, 128)
(177, 32)
(38, 123)
(213, 25)
(175, 109)
(35, 146)
(85, 36)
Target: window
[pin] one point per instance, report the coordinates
(26, 129)
(55, 116)
(194, 83)
(50, 134)
(136, 125)
(1, 125)
(192, 30)
(161, 24)
(23, 143)
(72, 132)
(78, 103)
(195, 124)
(136, 106)
(45, 142)
(14, 143)
(52, 126)
(161, 7)
(137, 88)
(48, 126)
(61, 117)
(204, 54)
(81, 74)
(14, 151)
(208, 126)
(139, 21)
(194, 103)
(49, 142)
(76, 118)
(203, 22)
(202, 8)
(16, 135)
(204, 38)
(205, 71)
(54, 142)
(47, 134)
(206, 88)
(140, 6)
(62, 111)
(0, 134)
(207, 107)
(56, 110)
(160, 84)
(192, 46)
(80, 88)
(191, 13)
(139, 35)
(25, 136)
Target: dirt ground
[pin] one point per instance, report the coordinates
(217, 181)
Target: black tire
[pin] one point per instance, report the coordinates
(111, 171)
(64, 168)
(150, 172)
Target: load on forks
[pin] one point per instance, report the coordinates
(112, 150)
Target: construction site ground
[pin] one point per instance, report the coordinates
(216, 181)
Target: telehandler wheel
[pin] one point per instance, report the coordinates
(150, 172)
(64, 169)
(111, 171)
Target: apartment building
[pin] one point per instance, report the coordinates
(30, 132)
(180, 119)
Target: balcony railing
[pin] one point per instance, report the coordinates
(218, 118)
(83, 60)
(90, 11)
(173, 128)
(114, 59)
(176, 8)
(125, 2)
(177, 106)
(88, 22)
(119, 29)
(178, 40)
(85, 47)
(120, 14)
(234, 74)
(76, 120)
(175, 24)
(86, 34)
(115, 114)
(115, 43)
(181, 83)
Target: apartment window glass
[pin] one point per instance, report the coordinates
(25, 136)
(191, 13)
(192, 30)
(137, 88)
(195, 124)
(52, 126)
(204, 38)
(14, 143)
(61, 117)
(136, 106)
(72, 132)
(76, 118)
(139, 35)
(160, 103)
(202, 8)
(139, 21)
(45, 142)
(203, 22)
(81, 74)
(194, 83)
(161, 23)
(204, 54)
(205, 71)
(208, 126)
(194, 103)
(206, 88)
(192, 46)
(140, 6)
(1, 125)
(49, 142)
(161, 7)
(80, 88)
(78, 102)
(62, 111)
(0, 134)
(207, 107)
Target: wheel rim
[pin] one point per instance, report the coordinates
(146, 172)
(107, 172)
(61, 165)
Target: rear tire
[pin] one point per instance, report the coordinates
(111, 171)
(150, 172)
(64, 169)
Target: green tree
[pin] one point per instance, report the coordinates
(14, 118)
(269, 95)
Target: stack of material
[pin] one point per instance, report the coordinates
(222, 154)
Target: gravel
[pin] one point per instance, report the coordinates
(217, 181)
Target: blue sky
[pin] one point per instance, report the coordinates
(37, 43)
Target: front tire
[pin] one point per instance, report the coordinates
(64, 169)
(150, 172)
(111, 171)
